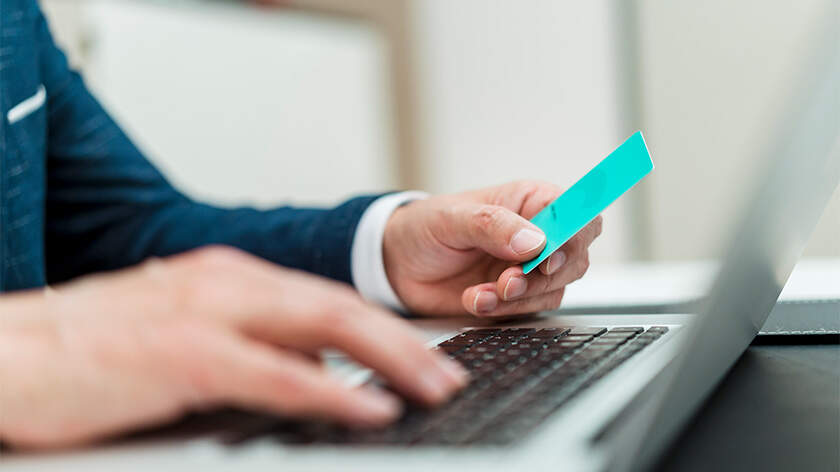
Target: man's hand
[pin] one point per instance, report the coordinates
(209, 328)
(456, 254)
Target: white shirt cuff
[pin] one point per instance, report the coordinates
(367, 264)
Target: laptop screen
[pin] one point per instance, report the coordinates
(802, 170)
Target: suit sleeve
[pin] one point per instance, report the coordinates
(108, 207)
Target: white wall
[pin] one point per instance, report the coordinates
(506, 90)
(238, 104)
(715, 75)
(513, 90)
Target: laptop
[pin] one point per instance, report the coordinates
(577, 392)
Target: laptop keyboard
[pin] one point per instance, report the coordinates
(519, 376)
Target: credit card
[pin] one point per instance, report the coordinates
(591, 195)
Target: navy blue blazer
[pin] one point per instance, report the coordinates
(76, 196)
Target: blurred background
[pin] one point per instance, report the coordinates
(313, 101)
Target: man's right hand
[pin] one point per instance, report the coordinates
(111, 353)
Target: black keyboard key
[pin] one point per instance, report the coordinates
(519, 377)
(450, 349)
(467, 357)
(576, 337)
(627, 329)
(606, 347)
(509, 336)
(482, 348)
(649, 336)
(609, 341)
(549, 333)
(519, 330)
(486, 332)
(588, 331)
(620, 334)
(467, 339)
(561, 346)
(525, 345)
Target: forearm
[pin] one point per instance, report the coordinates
(314, 240)
(25, 347)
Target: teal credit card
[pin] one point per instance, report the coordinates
(590, 195)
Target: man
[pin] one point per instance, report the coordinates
(145, 343)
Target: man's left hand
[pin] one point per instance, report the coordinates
(456, 254)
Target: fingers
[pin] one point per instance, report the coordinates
(576, 250)
(254, 375)
(378, 340)
(513, 290)
(327, 315)
(482, 300)
(307, 313)
(389, 346)
(513, 284)
(541, 194)
(494, 229)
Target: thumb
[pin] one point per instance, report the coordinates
(494, 229)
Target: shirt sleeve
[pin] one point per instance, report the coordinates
(366, 259)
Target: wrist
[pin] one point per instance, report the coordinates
(369, 249)
(390, 251)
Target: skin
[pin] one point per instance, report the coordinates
(110, 353)
(455, 254)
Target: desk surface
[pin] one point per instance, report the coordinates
(777, 409)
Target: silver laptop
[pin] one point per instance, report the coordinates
(573, 392)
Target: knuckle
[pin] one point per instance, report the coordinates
(335, 321)
(546, 202)
(532, 185)
(543, 284)
(582, 265)
(341, 298)
(486, 216)
(544, 192)
(294, 394)
(529, 186)
(289, 394)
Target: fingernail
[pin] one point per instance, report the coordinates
(515, 287)
(485, 301)
(434, 385)
(526, 240)
(556, 261)
(380, 405)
